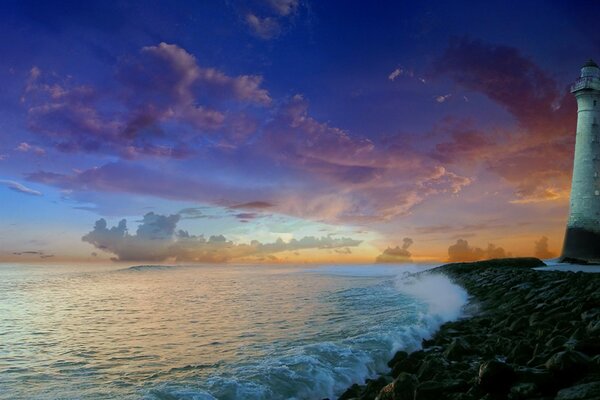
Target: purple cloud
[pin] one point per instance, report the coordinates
(163, 101)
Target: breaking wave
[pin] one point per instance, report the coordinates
(393, 313)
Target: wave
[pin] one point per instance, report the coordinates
(141, 268)
(326, 369)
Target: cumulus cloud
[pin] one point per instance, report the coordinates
(541, 249)
(18, 187)
(461, 251)
(396, 254)
(157, 239)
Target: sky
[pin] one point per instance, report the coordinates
(287, 131)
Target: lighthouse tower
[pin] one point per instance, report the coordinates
(582, 239)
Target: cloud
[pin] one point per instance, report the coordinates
(337, 176)
(510, 79)
(541, 249)
(442, 98)
(157, 239)
(370, 180)
(537, 158)
(162, 99)
(464, 143)
(125, 177)
(39, 253)
(25, 147)
(396, 254)
(461, 251)
(284, 7)
(18, 187)
(264, 28)
(253, 205)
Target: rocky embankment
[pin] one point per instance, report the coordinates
(529, 335)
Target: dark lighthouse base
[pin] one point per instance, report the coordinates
(581, 246)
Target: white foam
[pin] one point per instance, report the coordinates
(444, 298)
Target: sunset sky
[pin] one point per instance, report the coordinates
(287, 130)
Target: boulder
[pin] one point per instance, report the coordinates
(495, 377)
(399, 356)
(568, 365)
(402, 388)
(457, 349)
(436, 390)
(586, 391)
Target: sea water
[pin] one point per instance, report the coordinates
(210, 332)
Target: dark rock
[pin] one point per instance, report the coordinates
(457, 349)
(410, 364)
(521, 353)
(524, 390)
(587, 391)
(589, 346)
(435, 390)
(496, 377)
(399, 356)
(402, 388)
(353, 392)
(373, 387)
(540, 377)
(568, 365)
(432, 367)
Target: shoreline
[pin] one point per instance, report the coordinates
(527, 334)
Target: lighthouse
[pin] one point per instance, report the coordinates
(582, 238)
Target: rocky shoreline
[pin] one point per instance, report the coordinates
(529, 335)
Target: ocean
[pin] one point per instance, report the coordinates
(210, 332)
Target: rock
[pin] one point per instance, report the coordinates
(587, 391)
(374, 386)
(410, 364)
(589, 346)
(402, 388)
(521, 353)
(457, 349)
(432, 367)
(523, 390)
(353, 392)
(435, 390)
(556, 341)
(399, 356)
(541, 378)
(495, 377)
(568, 365)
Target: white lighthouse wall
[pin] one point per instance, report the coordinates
(585, 191)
